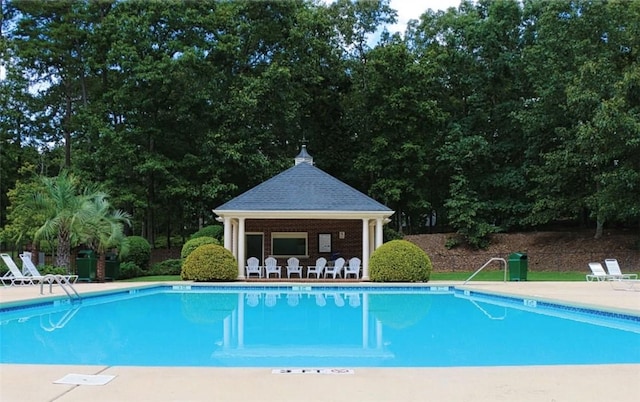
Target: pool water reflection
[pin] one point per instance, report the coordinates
(313, 327)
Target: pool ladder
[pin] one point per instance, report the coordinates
(487, 263)
(64, 283)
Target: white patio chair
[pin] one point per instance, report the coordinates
(253, 267)
(354, 299)
(271, 267)
(293, 299)
(271, 299)
(294, 267)
(353, 268)
(317, 269)
(253, 299)
(335, 269)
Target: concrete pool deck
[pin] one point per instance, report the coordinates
(522, 383)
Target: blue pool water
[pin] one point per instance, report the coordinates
(313, 327)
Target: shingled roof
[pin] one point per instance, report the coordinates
(303, 187)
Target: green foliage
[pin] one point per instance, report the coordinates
(452, 242)
(194, 243)
(400, 261)
(210, 262)
(533, 104)
(215, 231)
(202, 308)
(167, 267)
(50, 269)
(23, 218)
(129, 269)
(466, 214)
(389, 234)
(139, 252)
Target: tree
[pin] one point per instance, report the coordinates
(103, 230)
(67, 209)
(583, 120)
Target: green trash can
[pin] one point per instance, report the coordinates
(112, 267)
(518, 265)
(86, 265)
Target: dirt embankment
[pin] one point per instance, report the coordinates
(546, 251)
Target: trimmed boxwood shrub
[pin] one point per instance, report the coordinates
(139, 252)
(399, 261)
(206, 308)
(210, 262)
(400, 310)
(193, 244)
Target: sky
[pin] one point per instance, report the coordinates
(412, 9)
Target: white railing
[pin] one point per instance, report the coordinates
(64, 283)
(487, 263)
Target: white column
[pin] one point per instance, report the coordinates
(234, 241)
(228, 232)
(372, 237)
(226, 332)
(365, 320)
(240, 320)
(241, 248)
(379, 237)
(365, 249)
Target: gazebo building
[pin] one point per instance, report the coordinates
(305, 213)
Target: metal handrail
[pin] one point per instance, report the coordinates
(63, 282)
(487, 263)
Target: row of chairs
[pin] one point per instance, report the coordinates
(340, 268)
(293, 299)
(613, 271)
(31, 276)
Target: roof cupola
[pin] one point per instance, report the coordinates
(304, 157)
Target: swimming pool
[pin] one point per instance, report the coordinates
(430, 326)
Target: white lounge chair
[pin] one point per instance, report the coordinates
(32, 270)
(625, 284)
(317, 269)
(335, 269)
(271, 267)
(15, 277)
(353, 268)
(597, 273)
(294, 267)
(614, 270)
(253, 267)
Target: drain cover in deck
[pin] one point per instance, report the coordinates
(85, 379)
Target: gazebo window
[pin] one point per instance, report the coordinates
(287, 244)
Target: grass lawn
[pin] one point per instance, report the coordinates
(435, 276)
(546, 276)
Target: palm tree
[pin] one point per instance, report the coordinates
(67, 209)
(104, 231)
